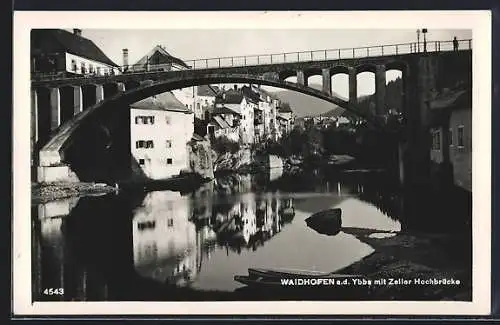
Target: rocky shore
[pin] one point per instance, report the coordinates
(412, 262)
(44, 192)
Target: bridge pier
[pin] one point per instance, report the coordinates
(301, 78)
(327, 81)
(121, 87)
(67, 95)
(380, 84)
(353, 86)
(55, 108)
(89, 96)
(77, 100)
(99, 93)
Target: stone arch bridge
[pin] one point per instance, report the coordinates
(74, 117)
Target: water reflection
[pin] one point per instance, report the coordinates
(131, 246)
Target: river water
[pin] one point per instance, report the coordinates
(138, 246)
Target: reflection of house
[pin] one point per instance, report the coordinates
(57, 50)
(248, 216)
(161, 127)
(452, 134)
(164, 239)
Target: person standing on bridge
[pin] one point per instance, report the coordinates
(455, 44)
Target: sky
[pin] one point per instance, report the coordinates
(192, 44)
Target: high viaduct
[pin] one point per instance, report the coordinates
(81, 124)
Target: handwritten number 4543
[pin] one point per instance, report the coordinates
(53, 291)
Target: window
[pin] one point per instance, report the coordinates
(460, 135)
(169, 143)
(168, 119)
(436, 140)
(82, 67)
(169, 161)
(73, 65)
(450, 137)
(91, 68)
(98, 70)
(144, 120)
(141, 161)
(140, 144)
(198, 106)
(170, 222)
(144, 144)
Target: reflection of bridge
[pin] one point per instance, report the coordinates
(67, 108)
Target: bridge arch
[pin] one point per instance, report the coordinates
(339, 69)
(368, 67)
(113, 112)
(285, 74)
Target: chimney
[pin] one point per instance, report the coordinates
(77, 32)
(125, 58)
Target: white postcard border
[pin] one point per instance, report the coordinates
(478, 21)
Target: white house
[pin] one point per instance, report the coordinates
(61, 51)
(160, 129)
(204, 98)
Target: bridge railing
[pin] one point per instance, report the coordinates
(293, 57)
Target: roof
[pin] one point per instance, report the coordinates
(164, 57)
(286, 109)
(197, 137)
(250, 94)
(165, 101)
(452, 99)
(265, 93)
(232, 96)
(284, 117)
(204, 90)
(220, 122)
(47, 41)
(226, 109)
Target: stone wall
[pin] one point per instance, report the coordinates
(200, 159)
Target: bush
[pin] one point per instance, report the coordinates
(223, 145)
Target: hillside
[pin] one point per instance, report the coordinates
(304, 105)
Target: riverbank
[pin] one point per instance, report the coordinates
(45, 192)
(413, 258)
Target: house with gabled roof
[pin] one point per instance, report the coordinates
(244, 101)
(63, 52)
(158, 59)
(161, 128)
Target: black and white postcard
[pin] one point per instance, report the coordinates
(251, 163)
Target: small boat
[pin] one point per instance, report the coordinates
(291, 273)
(327, 222)
(256, 281)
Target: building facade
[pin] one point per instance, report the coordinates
(161, 127)
(68, 53)
(451, 136)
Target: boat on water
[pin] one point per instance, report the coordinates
(257, 281)
(269, 277)
(292, 273)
